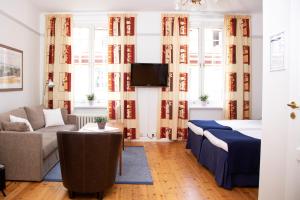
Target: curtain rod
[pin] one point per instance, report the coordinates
(193, 14)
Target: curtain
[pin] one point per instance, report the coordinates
(58, 61)
(173, 105)
(121, 53)
(238, 67)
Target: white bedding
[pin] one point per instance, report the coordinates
(197, 130)
(255, 133)
(238, 125)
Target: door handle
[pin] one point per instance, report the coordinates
(293, 105)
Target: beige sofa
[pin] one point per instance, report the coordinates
(28, 156)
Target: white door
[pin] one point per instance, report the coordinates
(292, 187)
(280, 165)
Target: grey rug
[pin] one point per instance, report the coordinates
(135, 168)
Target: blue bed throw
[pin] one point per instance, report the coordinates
(209, 124)
(243, 151)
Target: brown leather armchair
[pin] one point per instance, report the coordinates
(88, 161)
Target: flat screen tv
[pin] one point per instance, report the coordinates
(149, 74)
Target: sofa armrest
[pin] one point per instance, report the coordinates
(21, 153)
(72, 119)
(68, 118)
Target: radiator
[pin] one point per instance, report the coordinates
(84, 119)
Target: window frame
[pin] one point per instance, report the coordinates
(91, 64)
(201, 26)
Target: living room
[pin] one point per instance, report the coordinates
(138, 99)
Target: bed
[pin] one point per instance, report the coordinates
(213, 152)
(196, 130)
(232, 156)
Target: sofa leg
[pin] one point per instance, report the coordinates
(100, 195)
(71, 194)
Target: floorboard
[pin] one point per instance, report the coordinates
(176, 175)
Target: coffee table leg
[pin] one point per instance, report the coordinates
(120, 164)
(123, 143)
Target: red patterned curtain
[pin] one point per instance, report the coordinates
(121, 53)
(173, 105)
(238, 67)
(58, 60)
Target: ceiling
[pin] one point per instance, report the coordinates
(222, 6)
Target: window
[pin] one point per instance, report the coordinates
(89, 64)
(206, 65)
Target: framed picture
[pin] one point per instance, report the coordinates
(11, 69)
(277, 52)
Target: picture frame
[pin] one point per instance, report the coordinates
(277, 52)
(11, 69)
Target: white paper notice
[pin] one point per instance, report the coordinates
(277, 46)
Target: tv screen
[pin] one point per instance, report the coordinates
(149, 74)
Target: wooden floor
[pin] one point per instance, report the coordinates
(176, 175)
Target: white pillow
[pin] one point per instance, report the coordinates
(19, 119)
(53, 117)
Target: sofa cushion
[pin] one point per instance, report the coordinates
(19, 119)
(35, 116)
(15, 126)
(54, 129)
(50, 139)
(19, 112)
(49, 142)
(53, 117)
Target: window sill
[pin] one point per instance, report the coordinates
(206, 107)
(88, 106)
(191, 106)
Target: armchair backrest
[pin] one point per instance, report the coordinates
(88, 160)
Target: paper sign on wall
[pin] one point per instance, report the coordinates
(277, 51)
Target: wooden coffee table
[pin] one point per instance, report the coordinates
(110, 127)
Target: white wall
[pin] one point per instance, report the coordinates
(23, 11)
(148, 51)
(19, 21)
(206, 113)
